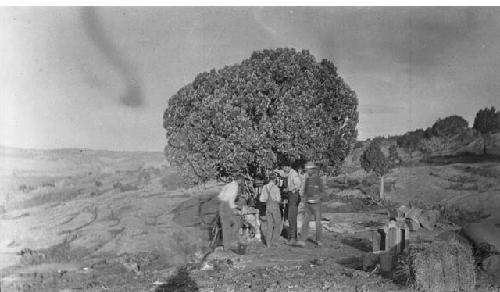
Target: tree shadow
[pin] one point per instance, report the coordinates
(362, 244)
(180, 282)
(353, 262)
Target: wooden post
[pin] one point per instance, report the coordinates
(376, 237)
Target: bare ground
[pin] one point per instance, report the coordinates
(78, 230)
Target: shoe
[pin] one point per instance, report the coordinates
(292, 242)
(300, 243)
(319, 244)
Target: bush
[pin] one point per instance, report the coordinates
(373, 159)
(449, 126)
(487, 121)
(358, 144)
(411, 140)
(25, 188)
(275, 108)
(49, 185)
(394, 159)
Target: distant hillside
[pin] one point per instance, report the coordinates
(66, 161)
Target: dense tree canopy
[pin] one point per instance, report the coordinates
(277, 107)
(487, 121)
(449, 126)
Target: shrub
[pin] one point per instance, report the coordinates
(49, 185)
(277, 107)
(373, 159)
(25, 188)
(358, 144)
(487, 120)
(393, 159)
(449, 126)
(411, 140)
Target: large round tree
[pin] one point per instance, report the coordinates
(277, 107)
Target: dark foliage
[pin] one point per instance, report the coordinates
(487, 121)
(449, 126)
(373, 159)
(393, 159)
(277, 107)
(411, 140)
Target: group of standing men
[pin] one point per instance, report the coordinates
(281, 196)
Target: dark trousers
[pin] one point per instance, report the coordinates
(293, 210)
(311, 210)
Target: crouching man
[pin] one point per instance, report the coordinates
(229, 215)
(313, 190)
(271, 197)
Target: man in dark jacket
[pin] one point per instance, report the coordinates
(312, 197)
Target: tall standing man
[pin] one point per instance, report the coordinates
(312, 208)
(294, 187)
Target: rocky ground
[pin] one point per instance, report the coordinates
(101, 221)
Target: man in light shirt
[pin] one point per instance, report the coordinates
(294, 188)
(271, 196)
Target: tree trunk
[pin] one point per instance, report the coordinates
(381, 194)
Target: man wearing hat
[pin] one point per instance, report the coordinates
(312, 208)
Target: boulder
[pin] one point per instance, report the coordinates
(491, 265)
(484, 233)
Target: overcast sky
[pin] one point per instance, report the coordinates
(101, 77)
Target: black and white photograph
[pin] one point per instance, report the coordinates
(249, 147)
